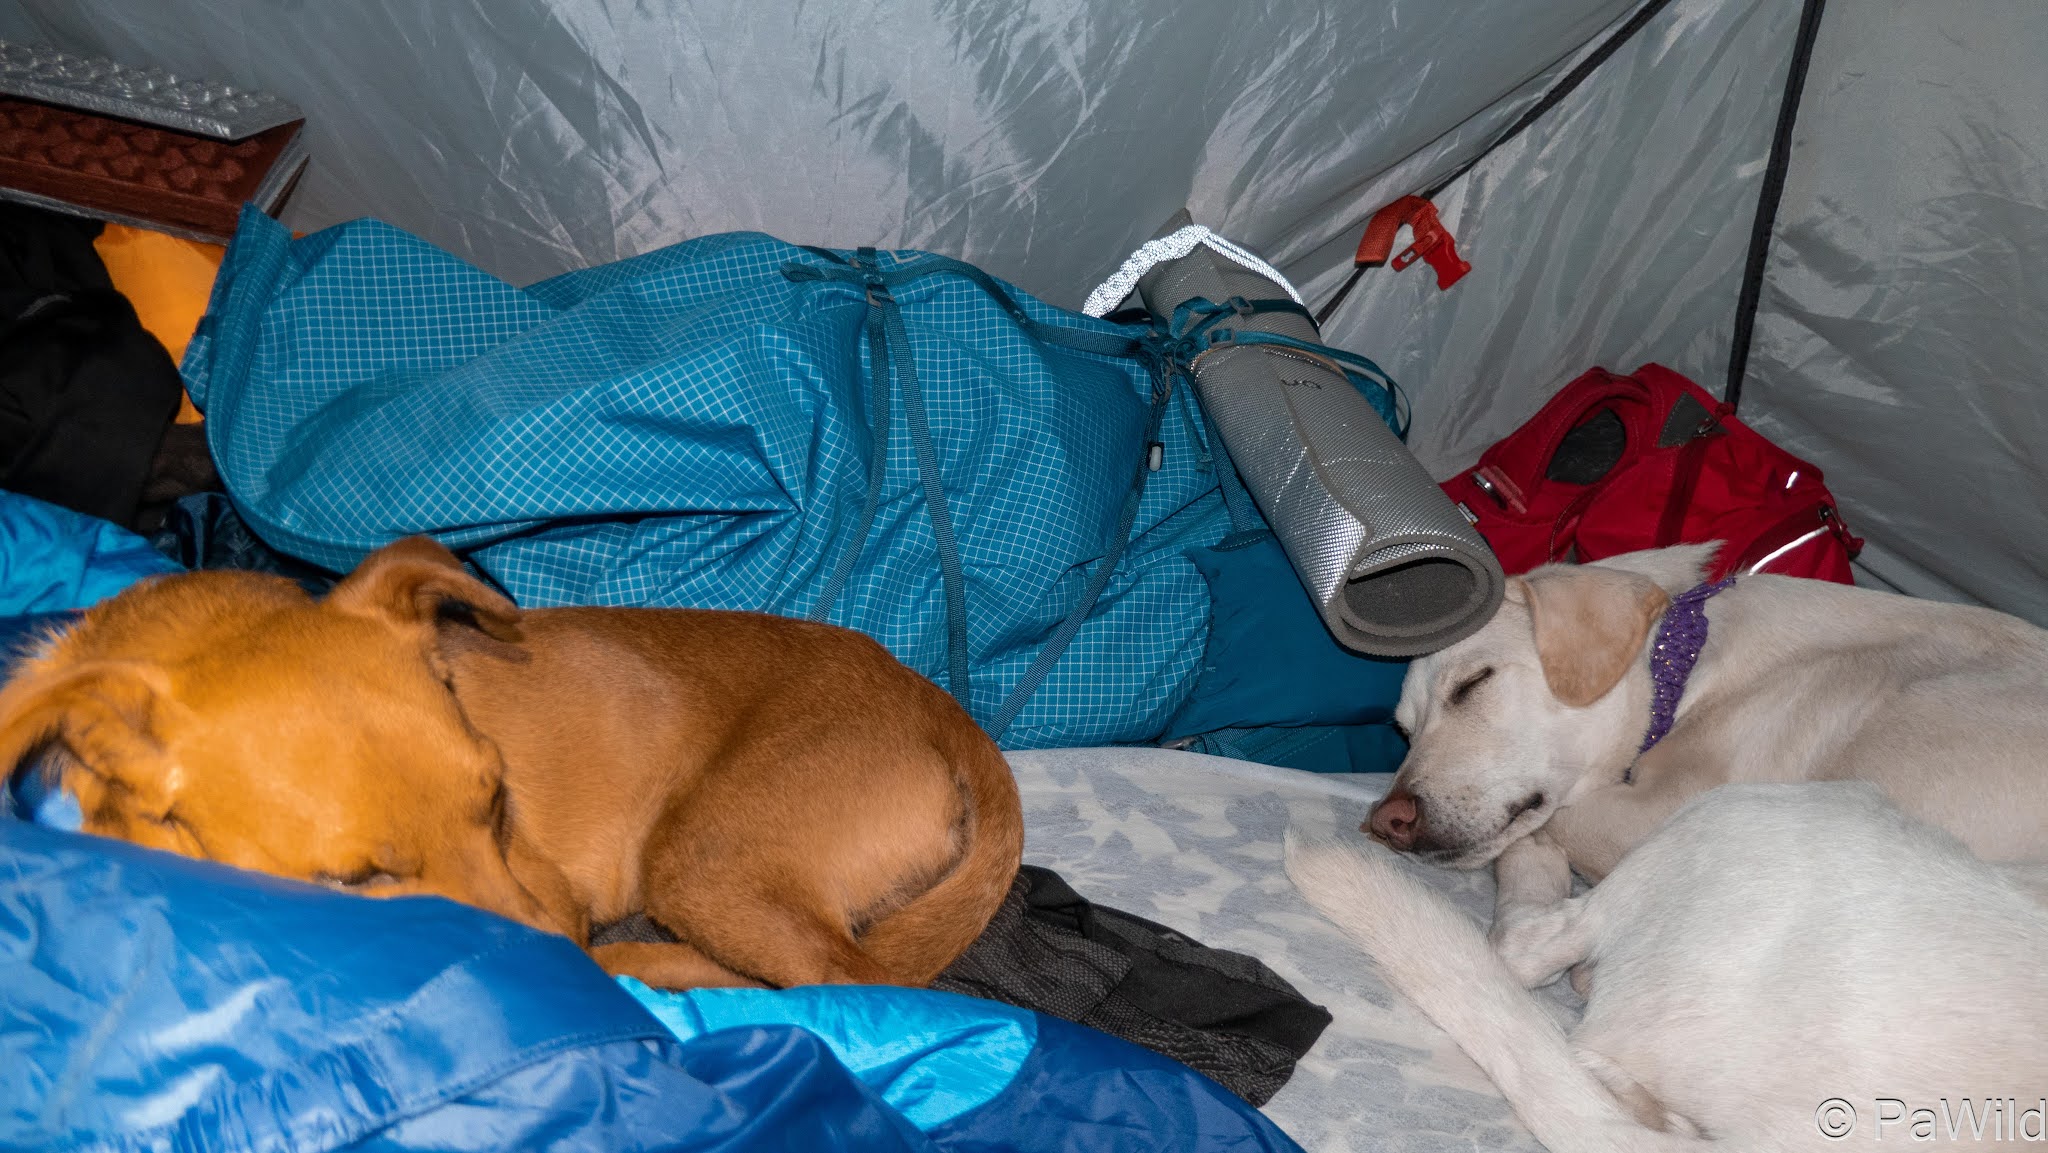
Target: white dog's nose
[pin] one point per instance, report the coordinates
(1397, 820)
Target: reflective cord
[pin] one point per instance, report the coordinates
(1153, 253)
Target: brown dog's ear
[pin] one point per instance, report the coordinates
(1590, 625)
(100, 714)
(416, 581)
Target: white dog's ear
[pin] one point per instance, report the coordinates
(1675, 568)
(1590, 623)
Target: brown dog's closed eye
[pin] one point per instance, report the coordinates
(368, 877)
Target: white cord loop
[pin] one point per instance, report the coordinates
(1152, 253)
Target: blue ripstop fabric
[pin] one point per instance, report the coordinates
(53, 563)
(690, 428)
(933, 1056)
(979, 1075)
(54, 560)
(150, 1002)
(1081, 1091)
(1264, 622)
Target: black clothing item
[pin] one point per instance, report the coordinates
(1050, 950)
(1221, 1013)
(182, 467)
(86, 392)
(203, 531)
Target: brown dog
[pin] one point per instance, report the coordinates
(787, 799)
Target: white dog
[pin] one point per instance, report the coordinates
(1538, 721)
(1780, 967)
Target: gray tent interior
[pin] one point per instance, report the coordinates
(1901, 315)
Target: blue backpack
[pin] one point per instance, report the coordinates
(1001, 492)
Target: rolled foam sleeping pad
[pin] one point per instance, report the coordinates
(1394, 568)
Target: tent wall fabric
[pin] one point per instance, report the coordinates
(1610, 233)
(1902, 338)
(1042, 141)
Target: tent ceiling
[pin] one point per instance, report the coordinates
(1043, 140)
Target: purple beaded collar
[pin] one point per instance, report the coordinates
(1679, 640)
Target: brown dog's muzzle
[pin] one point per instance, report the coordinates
(480, 875)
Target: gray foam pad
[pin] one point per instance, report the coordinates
(1391, 564)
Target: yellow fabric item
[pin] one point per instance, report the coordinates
(168, 279)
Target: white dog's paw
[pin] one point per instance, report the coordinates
(1538, 943)
(1582, 979)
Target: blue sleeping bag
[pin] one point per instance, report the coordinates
(150, 1002)
(54, 560)
(693, 427)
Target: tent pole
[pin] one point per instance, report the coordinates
(1767, 202)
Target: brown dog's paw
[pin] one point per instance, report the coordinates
(668, 966)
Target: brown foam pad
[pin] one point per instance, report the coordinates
(120, 168)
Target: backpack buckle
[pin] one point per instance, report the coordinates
(1711, 423)
(1506, 493)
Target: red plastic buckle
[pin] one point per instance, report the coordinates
(1432, 242)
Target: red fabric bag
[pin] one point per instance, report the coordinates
(1614, 463)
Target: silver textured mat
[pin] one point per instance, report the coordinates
(149, 95)
(1391, 564)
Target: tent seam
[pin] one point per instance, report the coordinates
(1550, 99)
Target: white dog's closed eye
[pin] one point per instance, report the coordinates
(1468, 685)
(1506, 724)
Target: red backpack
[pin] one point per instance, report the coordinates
(1618, 463)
